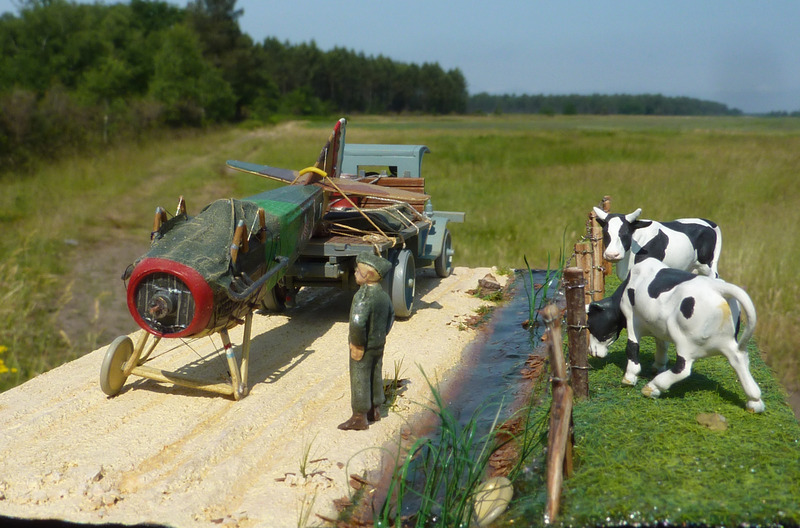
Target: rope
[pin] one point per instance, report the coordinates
(404, 219)
(393, 211)
(366, 236)
(357, 208)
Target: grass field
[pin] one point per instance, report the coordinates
(525, 182)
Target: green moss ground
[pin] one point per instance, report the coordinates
(640, 461)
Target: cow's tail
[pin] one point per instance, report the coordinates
(717, 252)
(731, 291)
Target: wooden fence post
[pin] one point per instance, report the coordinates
(559, 453)
(595, 232)
(606, 206)
(577, 333)
(583, 259)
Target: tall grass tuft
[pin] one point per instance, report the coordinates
(29, 341)
(438, 476)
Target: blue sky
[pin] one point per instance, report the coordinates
(745, 54)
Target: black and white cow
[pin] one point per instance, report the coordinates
(697, 313)
(690, 244)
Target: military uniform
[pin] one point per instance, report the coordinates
(371, 318)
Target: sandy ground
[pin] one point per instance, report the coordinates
(162, 454)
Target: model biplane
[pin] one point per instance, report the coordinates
(207, 273)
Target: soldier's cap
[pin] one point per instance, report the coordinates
(378, 263)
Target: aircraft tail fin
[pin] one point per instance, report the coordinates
(329, 160)
(330, 157)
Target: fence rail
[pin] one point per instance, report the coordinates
(583, 284)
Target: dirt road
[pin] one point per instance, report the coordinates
(162, 454)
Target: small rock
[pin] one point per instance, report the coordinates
(714, 421)
(492, 499)
(488, 285)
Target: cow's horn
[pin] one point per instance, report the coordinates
(600, 213)
(634, 215)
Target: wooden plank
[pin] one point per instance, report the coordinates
(409, 184)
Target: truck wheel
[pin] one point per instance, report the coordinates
(275, 299)
(112, 376)
(404, 282)
(444, 262)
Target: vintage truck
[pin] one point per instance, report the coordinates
(410, 234)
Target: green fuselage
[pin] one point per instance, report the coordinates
(190, 283)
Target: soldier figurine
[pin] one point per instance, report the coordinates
(371, 318)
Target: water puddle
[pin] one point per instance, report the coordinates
(484, 393)
(497, 356)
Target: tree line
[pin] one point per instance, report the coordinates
(73, 74)
(645, 104)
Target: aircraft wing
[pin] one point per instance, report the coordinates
(346, 185)
(274, 173)
(358, 188)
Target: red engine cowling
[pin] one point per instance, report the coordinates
(170, 299)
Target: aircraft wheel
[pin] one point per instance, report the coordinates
(404, 283)
(275, 299)
(444, 262)
(112, 372)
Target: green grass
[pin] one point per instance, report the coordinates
(643, 461)
(667, 466)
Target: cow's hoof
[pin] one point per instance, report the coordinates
(755, 406)
(650, 391)
(630, 381)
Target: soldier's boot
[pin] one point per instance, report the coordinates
(357, 422)
(374, 414)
